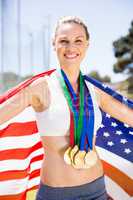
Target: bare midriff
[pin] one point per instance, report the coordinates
(56, 173)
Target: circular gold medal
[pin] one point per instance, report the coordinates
(67, 158)
(90, 159)
(79, 160)
(73, 152)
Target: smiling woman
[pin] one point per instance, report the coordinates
(70, 43)
(68, 113)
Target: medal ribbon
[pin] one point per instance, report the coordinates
(90, 123)
(78, 117)
(83, 124)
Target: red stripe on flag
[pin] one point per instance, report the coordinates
(19, 129)
(37, 158)
(14, 174)
(21, 174)
(21, 196)
(35, 173)
(125, 182)
(21, 153)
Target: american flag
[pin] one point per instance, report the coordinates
(21, 152)
(115, 147)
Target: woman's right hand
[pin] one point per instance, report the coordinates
(40, 95)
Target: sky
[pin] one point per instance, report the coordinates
(106, 20)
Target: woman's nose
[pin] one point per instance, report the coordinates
(71, 45)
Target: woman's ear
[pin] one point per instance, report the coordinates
(53, 43)
(87, 44)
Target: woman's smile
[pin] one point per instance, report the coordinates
(71, 55)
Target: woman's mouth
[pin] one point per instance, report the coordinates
(71, 55)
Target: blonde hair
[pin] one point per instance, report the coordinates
(72, 19)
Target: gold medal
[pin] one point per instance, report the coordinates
(90, 159)
(67, 158)
(73, 152)
(79, 160)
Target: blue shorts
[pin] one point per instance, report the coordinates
(90, 191)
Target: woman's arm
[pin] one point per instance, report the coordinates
(115, 108)
(36, 95)
(14, 105)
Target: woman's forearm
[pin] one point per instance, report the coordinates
(13, 106)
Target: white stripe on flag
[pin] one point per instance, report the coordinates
(118, 162)
(36, 153)
(33, 182)
(35, 165)
(26, 116)
(9, 165)
(13, 186)
(16, 142)
(18, 164)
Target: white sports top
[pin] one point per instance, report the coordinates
(55, 121)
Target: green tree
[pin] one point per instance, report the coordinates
(10, 79)
(96, 75)
(123, 50)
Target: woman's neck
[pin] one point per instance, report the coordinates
(72, 75)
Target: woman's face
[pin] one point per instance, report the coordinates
(70, 44)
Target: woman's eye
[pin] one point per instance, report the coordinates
(64, 41)
(78, 41)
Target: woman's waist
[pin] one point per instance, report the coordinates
(55, 172)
